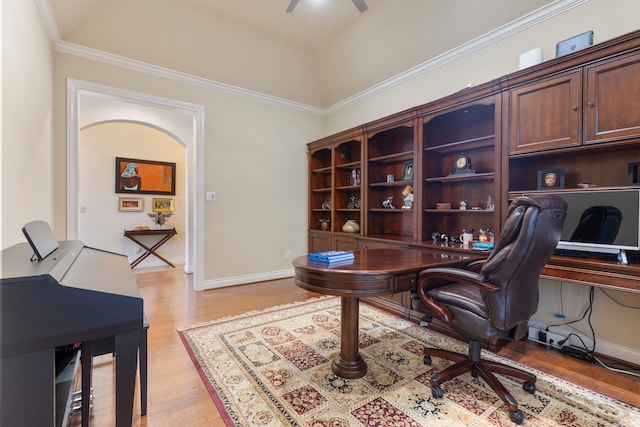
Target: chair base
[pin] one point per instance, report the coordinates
(485, 369)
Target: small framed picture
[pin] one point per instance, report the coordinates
(162, 204)
(634, 173)
(130, 204)
(407, 174)
(550, 179)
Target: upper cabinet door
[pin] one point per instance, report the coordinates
(612, 100)
(546, 114)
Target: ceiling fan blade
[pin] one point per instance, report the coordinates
(360, 4)
(292, 5)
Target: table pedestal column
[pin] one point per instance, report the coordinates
(349, 363)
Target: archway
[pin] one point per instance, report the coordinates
(183, 120)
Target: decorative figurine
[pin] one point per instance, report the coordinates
(354, 203)
(326, 204)
(485, 235)
(160, 217)
(490, 203)
(324, 224)
(463, 205)
(387, 203)
(351, 226)
(408, 197)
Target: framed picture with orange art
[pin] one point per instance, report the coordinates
(137, 176)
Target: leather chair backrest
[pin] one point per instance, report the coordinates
(528, 238)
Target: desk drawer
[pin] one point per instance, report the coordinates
(405, 282)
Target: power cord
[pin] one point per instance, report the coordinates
(611, 368)
(587, 313)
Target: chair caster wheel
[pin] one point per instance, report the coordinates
(529, 387)
(516, 416)
(426, 359)
(436, 392)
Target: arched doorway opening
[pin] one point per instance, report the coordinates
(92, 103)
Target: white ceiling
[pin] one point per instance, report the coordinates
(336, 51)
(310, 24)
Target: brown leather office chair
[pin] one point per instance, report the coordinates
(494, 303)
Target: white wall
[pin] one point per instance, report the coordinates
(27, 120)
(255, 160)
(101, 224)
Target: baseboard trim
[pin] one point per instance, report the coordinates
(153, 263)
(246, 279)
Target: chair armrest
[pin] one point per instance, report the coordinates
(476, 265)
(434, 277)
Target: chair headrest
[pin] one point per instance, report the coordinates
(542, 201)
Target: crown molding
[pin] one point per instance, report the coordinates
(49, 21)
(549, 11)
(143, 67)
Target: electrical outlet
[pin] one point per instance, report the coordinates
(541, 334)
(552, 339)
(211, 196)
(287, 255)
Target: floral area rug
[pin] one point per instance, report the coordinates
(273, 368)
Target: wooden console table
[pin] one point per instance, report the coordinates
(150, 250)
(374, 272)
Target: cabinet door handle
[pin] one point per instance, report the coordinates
(574, 107)
(590, 104)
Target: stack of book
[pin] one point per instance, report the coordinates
(331, 257)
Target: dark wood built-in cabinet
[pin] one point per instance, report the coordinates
(546, 114)
(579, 113)
(612, 91)
(586, 122)
(391, 146)
(335, 177)
(471, 131)
(586, 105)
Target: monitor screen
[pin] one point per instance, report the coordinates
(601, 220)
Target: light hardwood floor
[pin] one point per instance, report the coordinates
(177, 396)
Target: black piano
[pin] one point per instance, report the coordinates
(75, 294)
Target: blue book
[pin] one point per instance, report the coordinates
(331, 256)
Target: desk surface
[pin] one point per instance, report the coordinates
(375, 271)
